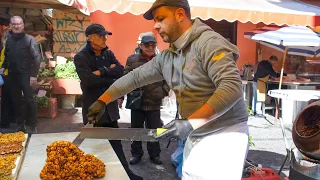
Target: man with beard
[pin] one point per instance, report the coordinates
(22, 58)
(98, 68)
(200, 67)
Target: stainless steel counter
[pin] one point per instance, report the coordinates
(295, 85)
(293, 101)
(36, 155)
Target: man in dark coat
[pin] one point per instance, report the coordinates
(22, 59)
(98, 68)
(151, 100)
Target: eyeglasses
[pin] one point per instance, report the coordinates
(15, 24)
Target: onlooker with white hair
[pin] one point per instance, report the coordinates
(22, 59)
(138, 49)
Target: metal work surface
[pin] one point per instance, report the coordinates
(36, 155)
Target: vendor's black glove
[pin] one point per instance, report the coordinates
(178, 129)
(95, 111)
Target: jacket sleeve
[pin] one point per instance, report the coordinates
(128, 66)
(2, 56)
(5, 60)
(115, 72)
(34, 49)
(269, 70)
(218, 58)
(88, 79)
(165, 88)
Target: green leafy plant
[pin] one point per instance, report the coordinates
(44, 73)
(42, 102)
(66, 71)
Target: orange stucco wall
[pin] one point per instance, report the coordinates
(127, 27)
(246, 47)
(125, 30)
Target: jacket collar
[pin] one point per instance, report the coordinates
(143, 58)
(17, 36)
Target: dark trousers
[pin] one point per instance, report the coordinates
(117, 147)
(7, 108)
(153, 121)
(20, 83)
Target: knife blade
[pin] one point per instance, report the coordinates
(126, 134)
(78, 140)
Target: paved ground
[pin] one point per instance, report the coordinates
(269, 149)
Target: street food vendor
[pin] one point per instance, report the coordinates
(200, 67)
(263, 72)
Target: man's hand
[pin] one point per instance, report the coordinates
(178, 128)
(113, 65)
(120, 102)
(97, 72)
(33, 81)
(2, 70)
(95, 111)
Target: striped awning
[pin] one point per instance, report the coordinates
(300, 40)
(280, 12)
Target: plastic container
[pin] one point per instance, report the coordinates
(263, 174)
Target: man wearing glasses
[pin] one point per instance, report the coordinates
(150, 99)
(97, 68)
(22, 59)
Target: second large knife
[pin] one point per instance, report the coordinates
(127, 134)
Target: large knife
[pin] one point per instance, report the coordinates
(126, 134)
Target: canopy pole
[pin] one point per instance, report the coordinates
(280, 83)
(282, 67)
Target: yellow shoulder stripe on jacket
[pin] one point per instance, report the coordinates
(217, 57)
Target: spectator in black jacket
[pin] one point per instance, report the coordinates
(22, 58)
(98, 68)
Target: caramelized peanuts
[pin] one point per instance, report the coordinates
(67, 161)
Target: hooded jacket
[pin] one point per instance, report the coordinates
(203, 71)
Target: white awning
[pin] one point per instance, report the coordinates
(289, 12)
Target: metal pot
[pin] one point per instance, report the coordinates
(306, 131)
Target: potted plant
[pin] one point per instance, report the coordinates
(47, 107)
(66, 84)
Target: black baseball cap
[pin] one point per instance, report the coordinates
(96, 29)
(158, 3)
(147, 39)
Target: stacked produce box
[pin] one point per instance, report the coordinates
(12, 148)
